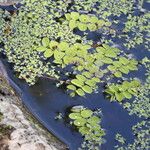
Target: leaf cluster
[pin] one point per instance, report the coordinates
(123, 66)
(124, 90)
(85, 22)
(88, 124)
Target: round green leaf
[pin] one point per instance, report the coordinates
(84, 18)
(75, 116)
(63, 46)
(82, 26)
(93, 19)
(53, 44)
(48, 53)
(80, 122)
(86, 113)
(84, 130)
(93, 120)
(72, 24)
(92, 27)
(74, 15)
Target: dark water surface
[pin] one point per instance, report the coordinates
(44, 100)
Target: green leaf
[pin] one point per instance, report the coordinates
(53, 44)
(80, 68)
(119, 96)
(67, 60)
(111, 68)
(86, 113)
(101, 23)
(48, 53)
(75, 116)
(124, 69)
(92, 27)
(117, 64)
(63, 46)
(94, 120)
(72, 94)
(84, 130)
(107, 60)
(91, 83)
(74, 15)
(71, 87)
(80, 92)
(111, 54)
(96, 79)
(41, 49)
(124, 60)
(82, 26)
(108, 24)
(87, 89)
(118, 74)
(80, 122)
(135, 83)
(77, 82)
(58, 55)
(127, 95)
(81, 77)
(87, 74)
(93, 19)
(45, 42)
(72, 24)
(68, 16)
(84, 18)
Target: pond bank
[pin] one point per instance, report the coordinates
(22, 131)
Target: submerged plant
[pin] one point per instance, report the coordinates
(124, 90)
(88, 124)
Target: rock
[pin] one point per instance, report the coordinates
(26, 135)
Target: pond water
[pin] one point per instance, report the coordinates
(44, 100)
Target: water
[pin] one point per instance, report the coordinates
(44, 100)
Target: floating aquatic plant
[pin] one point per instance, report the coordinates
(85, 22)
(53, 38)
(88, 124)
(123, 65)
(124, 90)
(141, 132)
(141, 104)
